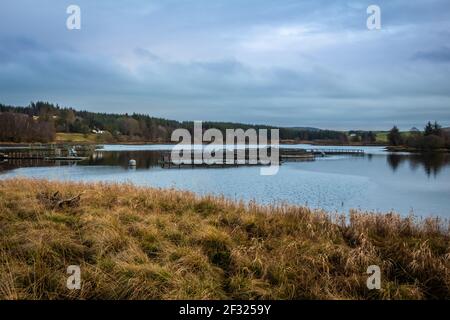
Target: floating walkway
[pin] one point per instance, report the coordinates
(292, 153)
(285, 155)
(336, 151)
(47, 153)
(26, 156)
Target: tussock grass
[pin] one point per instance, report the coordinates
(75, 137)
(142, 243)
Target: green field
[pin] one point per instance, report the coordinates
(382, 136)
(76, 137)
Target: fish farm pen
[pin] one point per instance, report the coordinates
(285, 155)
(48, 152)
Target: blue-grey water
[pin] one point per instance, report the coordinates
(377, 181)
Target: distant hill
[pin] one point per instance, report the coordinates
(312, 129)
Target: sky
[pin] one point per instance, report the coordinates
(279, 62)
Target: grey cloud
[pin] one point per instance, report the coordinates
(186, 60)
(441, 55)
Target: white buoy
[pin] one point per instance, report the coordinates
(132, 163)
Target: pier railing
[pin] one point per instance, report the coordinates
(47, 152)
(285, 155)
(336, 151)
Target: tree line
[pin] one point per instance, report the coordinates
(16, 127)
(433, 137)
(40, 120)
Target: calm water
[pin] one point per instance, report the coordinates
(378, 181)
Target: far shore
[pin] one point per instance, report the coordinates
(414, 150)
(282, 142)
(285, 142)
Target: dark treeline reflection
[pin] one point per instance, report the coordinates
(12, 164)
(144, 159)
(432, 163)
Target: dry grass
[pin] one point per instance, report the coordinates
(141, 243)
(76, 137)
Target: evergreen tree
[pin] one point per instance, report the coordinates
(394, 137)
(437, 129)
(428, 129)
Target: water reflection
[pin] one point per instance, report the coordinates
(144, 159)
(12, 164)
(432, 163)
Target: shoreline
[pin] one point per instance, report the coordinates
(388, 148)
(415, 150)
(314, 143)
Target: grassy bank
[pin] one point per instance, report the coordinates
(415, 150)
(62, 137)
(92, 138)
(163, 244)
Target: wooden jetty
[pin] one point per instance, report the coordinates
(288, 153)
(285, 155)
(47, 153)
(167, 162)
(34, 156)
(327, 151)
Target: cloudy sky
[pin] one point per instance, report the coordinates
(280, 62)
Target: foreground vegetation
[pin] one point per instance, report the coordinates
(141, 243)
